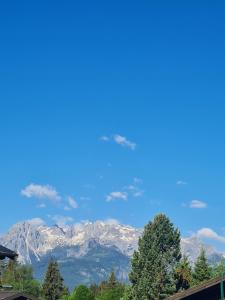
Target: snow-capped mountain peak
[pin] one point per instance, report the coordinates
(35, 239)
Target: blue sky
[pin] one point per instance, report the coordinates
(113, 109)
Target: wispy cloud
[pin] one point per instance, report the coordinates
(116, 196)
(36, 222)
(181, 182)
(72, 202)
(41, 192)
(197, 204)
(134, 189)
(61, 220)
(120, 140)
(124, 142)
(210, 234)
(111, 221)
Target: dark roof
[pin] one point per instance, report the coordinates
(5, 252)
(207, 290)
(12, 295)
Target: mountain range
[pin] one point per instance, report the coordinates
(86, 252)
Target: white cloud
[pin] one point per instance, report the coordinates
(210, 234)
(138, 193)
(111, 221)
(72, 202)
(130, 187)
(120, 140)
(124, 142)
(61, 220)
(116, 196)
(41, 192)
(197, 204)
(36, 222)
(134, 188)
(180, 182)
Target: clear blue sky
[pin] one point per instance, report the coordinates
(152, 72)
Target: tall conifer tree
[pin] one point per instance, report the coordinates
(153, 265)
(53, 287)
(202, 270)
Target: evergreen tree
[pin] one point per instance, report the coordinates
(202, 270)
(53, 287)
(153, 265)
(183, 274)
(81, 292)
(115, 293)
(112, 281)
(219, 269)
(110, 289)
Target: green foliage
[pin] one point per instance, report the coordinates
(110, 289)
(115, 293)
(183, 274)
(202, 270)
(53, 287)
(219, 269)
(82, 293)
(20, 277)
(112, 281)
(153, 265)
(127, 295)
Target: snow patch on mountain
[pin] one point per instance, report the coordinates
(34, 239)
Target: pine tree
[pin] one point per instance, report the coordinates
(110, 289)
(183, 274)
(202, 270)
(152, 273)
(115, 293)
(53, 287)
(112, 281)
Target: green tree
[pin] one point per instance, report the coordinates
(115, 293)
(20, 277)
(152, 273)
(112, 281)
(183, 274)
(110, 289)
(202, 270)
(94, 288)
(53, 287)
(219, 269)
(81, 292)
(127, 293)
